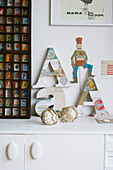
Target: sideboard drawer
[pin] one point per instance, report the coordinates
(109, 146)
(109, 168)
(109, 152)
(109, 137)
(109, 160)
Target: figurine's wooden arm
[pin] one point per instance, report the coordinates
(73, 60)
(86, 58)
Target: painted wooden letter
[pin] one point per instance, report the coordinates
(96, 101)
(51, 97)
(57, 70)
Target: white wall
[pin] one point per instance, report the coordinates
(97, 42)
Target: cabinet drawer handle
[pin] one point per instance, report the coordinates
(35, 151)
(11, 151)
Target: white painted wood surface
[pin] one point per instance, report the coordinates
(81, 152)
(7, 160)
(80, 145)
(86, 125)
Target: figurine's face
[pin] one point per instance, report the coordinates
(79, 46)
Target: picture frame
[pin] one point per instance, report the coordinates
(15, 59)
(80, 13)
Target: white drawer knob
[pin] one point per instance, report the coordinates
(35, 151)
(11, 151)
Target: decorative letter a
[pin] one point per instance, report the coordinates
(57, 70)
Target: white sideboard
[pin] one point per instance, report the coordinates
(30, 145)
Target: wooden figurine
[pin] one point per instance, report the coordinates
(57, 71)
(79, 58)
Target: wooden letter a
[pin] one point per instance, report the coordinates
(57, 70)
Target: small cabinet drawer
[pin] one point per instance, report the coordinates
(109, 146)
(109, 168)
(109, 137)
(109, 143)
(109, 152)
(109, 160)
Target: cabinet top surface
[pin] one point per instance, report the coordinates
(87, 125)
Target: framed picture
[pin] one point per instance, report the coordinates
(82, 12)
(15, 59)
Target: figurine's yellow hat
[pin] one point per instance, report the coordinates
(79, 40)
